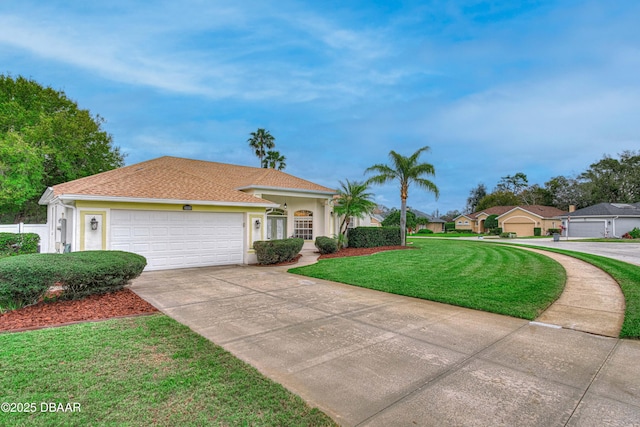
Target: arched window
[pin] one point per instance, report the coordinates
(303, 224)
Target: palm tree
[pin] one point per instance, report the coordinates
(274, 160)
(261, 141)
(406, 170)
(353, 200)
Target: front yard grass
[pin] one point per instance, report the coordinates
(140, 371)
(495, 278)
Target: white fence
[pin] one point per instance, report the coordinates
(40, 229)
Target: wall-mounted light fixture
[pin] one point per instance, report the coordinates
(257, 224)
(94, 223)
(187, 207)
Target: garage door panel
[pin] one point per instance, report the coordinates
(179, 239)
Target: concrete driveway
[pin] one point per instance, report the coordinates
(370, 358)
(628, 252)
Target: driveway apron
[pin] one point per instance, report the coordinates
(370, 358)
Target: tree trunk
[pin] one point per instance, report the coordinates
(403, 222)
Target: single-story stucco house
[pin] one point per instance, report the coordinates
(435, 224)
(602, 220)
(185, 213)
(520, 220)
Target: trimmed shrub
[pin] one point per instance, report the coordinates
(508, 234)
(25, 279)
(275, 251)
(98, 272)
(326, 245)
(635, 233)
(537, 231)
(449, 226)
(371, 237)
(425, 231)
(552, 231)
(18, 243)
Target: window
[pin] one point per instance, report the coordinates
(303, 224)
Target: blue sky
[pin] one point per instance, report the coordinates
(494, 88)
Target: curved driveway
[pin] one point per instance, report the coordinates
(370, 358)
(628, 252)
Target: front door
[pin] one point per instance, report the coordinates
(276, 227)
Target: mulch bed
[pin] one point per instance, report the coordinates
(117, 304)
(95, 307)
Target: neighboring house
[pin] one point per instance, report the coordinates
(602, 220)
(435, 224)
(185, 213)
(520, 220)
(371, 220)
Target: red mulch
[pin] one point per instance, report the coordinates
(117, 304)
(362, 251)
(94, 307)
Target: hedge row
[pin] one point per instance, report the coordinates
(326, 245)
(275, 251)
(25, 279)
(371, 237)
(18, 243)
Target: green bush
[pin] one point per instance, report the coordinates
(491, 222)
(275, 251)
(449, 226)
(635, 233)
(25, 279)
(537, 231)
(552, 231)
(326, 245)
(371, 237)
(18, 243)
(425, 231)
(508, 234)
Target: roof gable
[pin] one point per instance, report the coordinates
(538, 210)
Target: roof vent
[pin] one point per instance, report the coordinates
(622, 205)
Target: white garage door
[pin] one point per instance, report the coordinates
(586, 229)
(178, 239)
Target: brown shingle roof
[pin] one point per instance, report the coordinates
(184, 179)
(543, 211)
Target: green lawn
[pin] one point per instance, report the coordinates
(628, 277)
(137, 372)
(494, 278)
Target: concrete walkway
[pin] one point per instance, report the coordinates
(591, 301)
(370, 358)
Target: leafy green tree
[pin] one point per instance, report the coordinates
(514, 184)
(274, 160)
(261, 141)
(498, 198)
(56, 139)
(475, 195)
(353, 201)
(491, 222)
(405, 170)
(393, 220)
(614, 180)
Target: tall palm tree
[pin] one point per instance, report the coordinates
(405, 170)
(274, 160)
(261, 141)
(353, 200)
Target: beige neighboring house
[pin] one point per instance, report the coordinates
(182, 213)
(514, 219)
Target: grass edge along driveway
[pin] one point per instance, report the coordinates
(139, 371)
(494, 278)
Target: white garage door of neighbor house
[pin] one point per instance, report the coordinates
(586, 228)
(178, 239)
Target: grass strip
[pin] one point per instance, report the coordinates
(494, 278)
(141, 371)
(628, 277)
